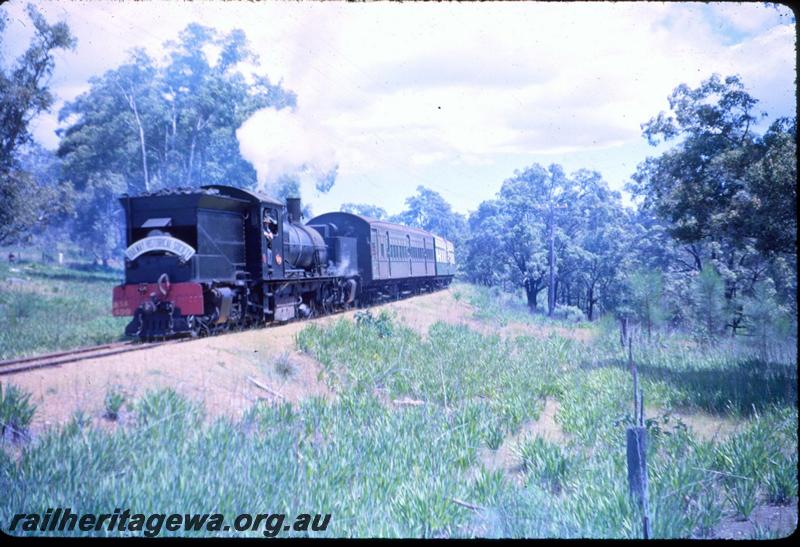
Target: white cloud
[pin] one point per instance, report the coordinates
(392, 91)
(752, 17)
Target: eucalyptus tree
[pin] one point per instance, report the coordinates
(486, 259)
(365, 209)
(600, 242)
(521, 234)
(163, 123)
(24, 95)
(427, 209)
(725, 193)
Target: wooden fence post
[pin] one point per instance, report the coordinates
(623, 330)
(636, 437)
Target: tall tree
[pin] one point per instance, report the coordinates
(24, 95)
(364, 209)
(546, 230)
(600, 243)
(427, 209)
(485, 257)
(173, 122)
(727, 194)
(152, 124)
(722, 181)
(709, 303)
(646, 293)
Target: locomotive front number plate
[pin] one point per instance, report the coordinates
(160, 243)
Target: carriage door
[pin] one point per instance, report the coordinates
(388, 256)
(373, 242)
(408, 253)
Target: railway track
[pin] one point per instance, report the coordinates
(23, 364)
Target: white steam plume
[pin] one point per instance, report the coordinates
(288, 143)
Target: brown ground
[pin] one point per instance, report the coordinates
(215, 370)
(776, 520)
(507, 459)
(709, 427)
(422, 312)
(705, 426)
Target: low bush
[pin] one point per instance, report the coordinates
(113, 403)
(16, 411)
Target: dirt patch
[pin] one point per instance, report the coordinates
(421, 312)
(709, 427)
(215, 371)
(513, 329)
(704, 426)
(506, 457)
(546, 426)
(776, 520)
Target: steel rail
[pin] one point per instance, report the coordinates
(83, 354)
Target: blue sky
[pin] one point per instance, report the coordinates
(451, 96)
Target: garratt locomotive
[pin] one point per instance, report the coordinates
(201, 261)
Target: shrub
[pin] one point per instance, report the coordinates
(709, 303)
(382, 323)
(572, 314)
(767, 322)
(284, 366)
(16, 411)
(646, 294)
(546, 462)
(781, 481)
(493, 434)
(167, 407)
(113, 403)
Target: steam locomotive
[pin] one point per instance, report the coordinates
(202, 261)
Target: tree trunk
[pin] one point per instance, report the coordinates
(551, 275)
(590, 304)
(531, 295)
(141, 142)
(191, 160)
(129, 96)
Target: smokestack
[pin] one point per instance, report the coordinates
(293, 208)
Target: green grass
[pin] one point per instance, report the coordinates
(46, 308)
(501, 308)
(387, 469)
(16, 411)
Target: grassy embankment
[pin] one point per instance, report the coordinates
(416, 420)
(46, 308)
